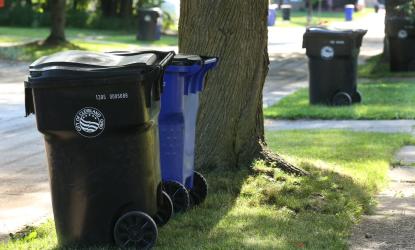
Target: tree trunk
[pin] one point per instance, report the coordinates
(109, 7)
(385, 53)
(126, 8)
(309, 12)
(230, 128)
(57, 14)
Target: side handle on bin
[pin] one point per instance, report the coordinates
(152, 85)
(166, 60)
(29, 105)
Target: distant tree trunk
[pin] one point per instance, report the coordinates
(57, 14)
(309, 12)
(109, 7)
(126, 8)
(385, 53)
(230, 128)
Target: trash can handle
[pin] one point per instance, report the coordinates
(167, 59)
(29, 105)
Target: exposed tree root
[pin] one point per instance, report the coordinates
(52, 41)
(274, 159)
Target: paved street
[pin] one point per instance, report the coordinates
(24, 191)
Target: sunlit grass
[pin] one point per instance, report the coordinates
(380, 101)
(262, 208)
(95, 40)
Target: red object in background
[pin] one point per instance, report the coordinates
(1, 3)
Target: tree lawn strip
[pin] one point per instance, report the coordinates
(262, 208)
(381, 101)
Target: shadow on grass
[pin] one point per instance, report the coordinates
(262, 209)
(376, 68)
(271, 211)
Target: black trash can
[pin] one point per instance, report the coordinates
(400, 33)
(286, 12)
(98, 113)
(149, 24)
(333, 65)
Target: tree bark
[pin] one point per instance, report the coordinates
(230, 128)
(57, 14)
(126, 8)
(109, 7)
(309, 12)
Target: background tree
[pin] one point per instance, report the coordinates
(230, 124)
(57, 29)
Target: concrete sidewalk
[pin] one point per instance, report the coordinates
(384, 126)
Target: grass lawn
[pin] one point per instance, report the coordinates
(376, 68)
(299, 18)
(262, 208)
(380, 101)
(98, 40)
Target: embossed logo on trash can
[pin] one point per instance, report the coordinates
(403, 34)
(327, 52)
(89, 122)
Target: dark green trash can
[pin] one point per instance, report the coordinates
(400, 33)
(98, 113)
(333, 65)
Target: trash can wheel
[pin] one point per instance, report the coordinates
(135, 230)
(165, 210)
(342, 99)
(178, 195)
(200, 189)
(357, 97)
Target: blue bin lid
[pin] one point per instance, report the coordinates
(194, 68)
(186, 60)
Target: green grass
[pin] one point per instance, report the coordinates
(299, 18)
(381, 100)
(374, 67)
(96, 40)
(23, 34)
(263, 208)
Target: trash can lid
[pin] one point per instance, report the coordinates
(323, 33)
(79, 59)
(154, 9)
(186, 60)
(324, 30)
(85, 68)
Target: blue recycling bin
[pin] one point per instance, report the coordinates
(183, 81)
(348, 12)
(272, 15)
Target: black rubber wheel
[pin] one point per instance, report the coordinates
(178, 195)
(165, 210)
(357, 97)
(135, 230)
(342, 99)
(199, 191)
